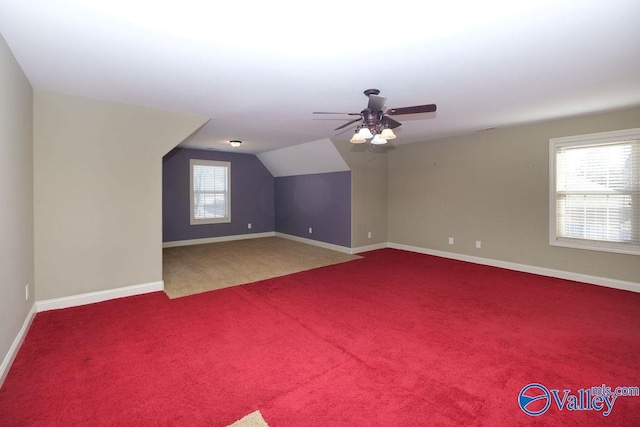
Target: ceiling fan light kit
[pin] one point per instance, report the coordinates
(376, 123)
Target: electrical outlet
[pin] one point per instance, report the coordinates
(249, 226)
(26, 292)
(310, 230)
(478, 244)
(369, 235)
(451, 240)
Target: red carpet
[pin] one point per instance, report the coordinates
(393, 339)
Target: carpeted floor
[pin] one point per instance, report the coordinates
(189, 270)
(392, 339)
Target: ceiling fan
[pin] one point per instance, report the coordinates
(376, 123)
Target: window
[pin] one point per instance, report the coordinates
(210, 191)
(595, 191)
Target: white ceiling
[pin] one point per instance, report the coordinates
(259, 69)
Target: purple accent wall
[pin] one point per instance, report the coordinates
(320, 201)
(252, 196)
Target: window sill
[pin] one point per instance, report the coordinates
(596, 246)
(210, 221)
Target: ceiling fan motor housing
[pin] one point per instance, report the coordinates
(371, 117)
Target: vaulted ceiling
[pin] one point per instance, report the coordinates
(259, 69)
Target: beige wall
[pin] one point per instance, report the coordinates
(97, 192)
(368, 192)
(493, 186)
(16, 197)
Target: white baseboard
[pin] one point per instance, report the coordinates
(71, 301)
(368, 248)
(560, 274)
(318, 243)
(15, 346)
(217, 239)
(99, 296)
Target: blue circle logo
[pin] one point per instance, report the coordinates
(534, 399)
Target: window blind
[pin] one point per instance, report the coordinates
(209, 188)
(598, 193)
(210, 191)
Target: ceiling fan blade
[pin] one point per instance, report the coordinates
(325, 112)
(429, 108)
(389, 121)
(348, 123)
(376, 102)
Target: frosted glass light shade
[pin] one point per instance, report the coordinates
(378, 140)
(235, 143)
(357, 139)
(388, 134)
(365, 133)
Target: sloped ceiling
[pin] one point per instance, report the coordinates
(259, 69)
(303, 159)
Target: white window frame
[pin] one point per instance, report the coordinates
(585, 140)
(220, 220)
